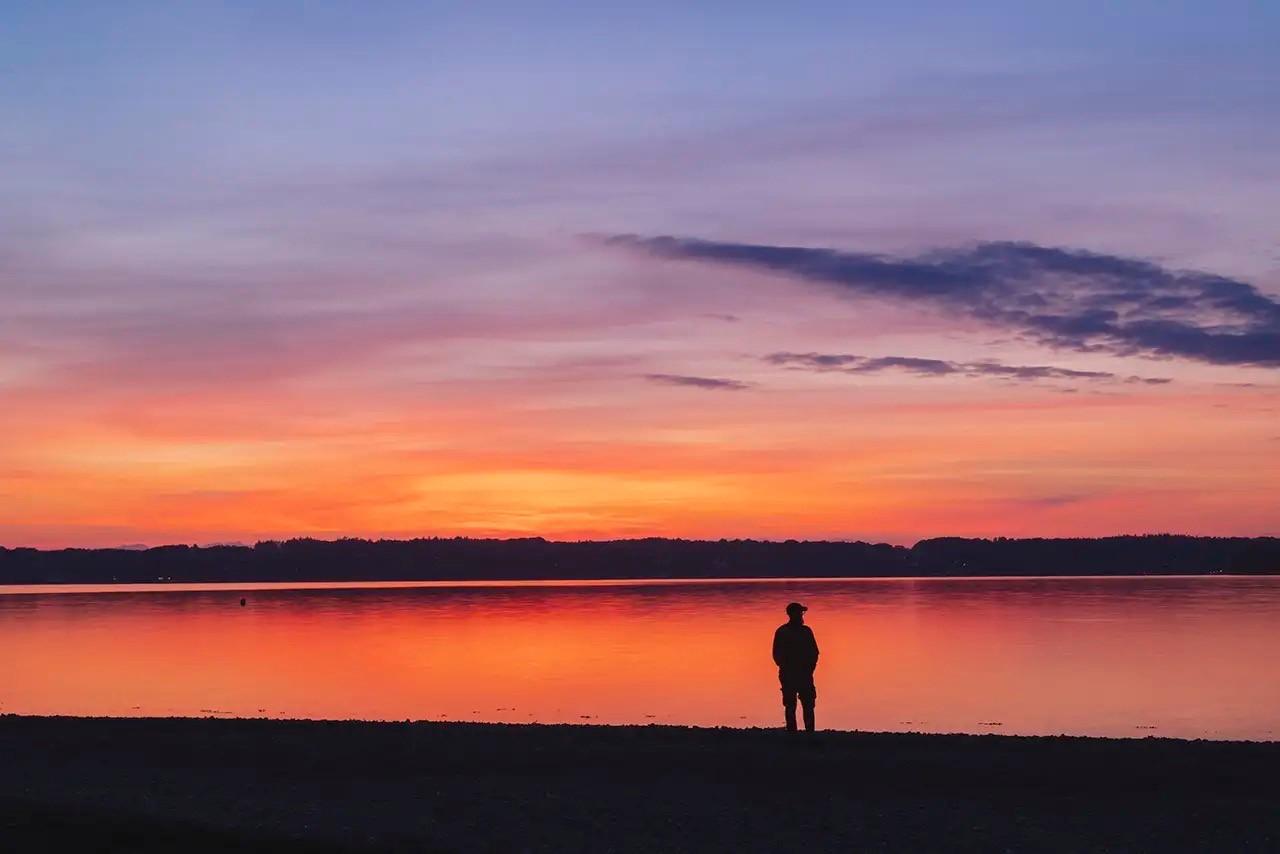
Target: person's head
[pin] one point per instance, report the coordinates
(796, 612)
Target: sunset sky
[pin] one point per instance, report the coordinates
(811, 270)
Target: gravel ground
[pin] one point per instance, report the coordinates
(93, 784)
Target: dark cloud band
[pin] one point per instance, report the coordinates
(851, 364)
(1062, 297)
(712, 383)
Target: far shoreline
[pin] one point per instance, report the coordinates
(461, 559)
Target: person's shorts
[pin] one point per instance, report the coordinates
(798, 685)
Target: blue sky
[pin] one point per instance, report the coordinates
(809, 122)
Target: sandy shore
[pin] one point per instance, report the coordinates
(213, 785)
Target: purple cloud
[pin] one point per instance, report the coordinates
(1062, 297)
(713, 383)
(852, 364)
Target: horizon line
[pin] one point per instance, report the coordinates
(143, 547)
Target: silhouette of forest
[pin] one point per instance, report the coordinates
(461, 558)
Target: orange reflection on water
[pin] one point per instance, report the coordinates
(1190, 657)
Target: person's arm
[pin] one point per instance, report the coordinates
(813, 648)
(777, 647)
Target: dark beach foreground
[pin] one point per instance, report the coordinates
(213, 785)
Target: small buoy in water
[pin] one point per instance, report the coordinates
(242, 603)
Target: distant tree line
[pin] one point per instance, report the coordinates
(462, 558)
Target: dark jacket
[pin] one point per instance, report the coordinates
(794, 648)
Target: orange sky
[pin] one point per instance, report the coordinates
(541, 434)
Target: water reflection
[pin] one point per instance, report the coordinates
(1103, 656)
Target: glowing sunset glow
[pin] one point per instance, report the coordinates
(400, 272)
(1031, 462)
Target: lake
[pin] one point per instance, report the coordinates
(1134, 656)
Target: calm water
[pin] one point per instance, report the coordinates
(1117, 656)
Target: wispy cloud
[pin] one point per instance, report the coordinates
(851, 364)
(713, 383)
(1062, 297)
(1051, 501)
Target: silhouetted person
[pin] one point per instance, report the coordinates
(795, 651)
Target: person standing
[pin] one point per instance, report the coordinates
(795, 651)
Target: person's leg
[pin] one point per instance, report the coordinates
(809, 699)
(789, 707)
